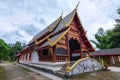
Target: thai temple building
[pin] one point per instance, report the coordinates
(64, 39)
(62, 43)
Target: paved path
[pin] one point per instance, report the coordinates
(15, 72)
(114, 69)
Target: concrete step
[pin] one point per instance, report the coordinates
(39, 68)
(51, 76)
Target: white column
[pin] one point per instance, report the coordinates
(25, 57)
(113, 61)
(28, 54)
(35, 57)
(119, 58)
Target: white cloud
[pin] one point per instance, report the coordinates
(14, 13)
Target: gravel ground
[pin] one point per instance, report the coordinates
(14, 72)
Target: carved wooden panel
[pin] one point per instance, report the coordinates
(73, 36)
(73, 23)
(74, 28)
(62, 41)
(63, 38)
(73, 33)
(84, 47)
(63, 46)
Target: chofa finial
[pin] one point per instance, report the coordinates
(61, 13)
(77, 5)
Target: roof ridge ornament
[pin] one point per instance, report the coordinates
(61, 14)
(62, 19)
(77, 6)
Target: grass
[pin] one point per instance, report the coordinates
(98, 75)
(2, 73)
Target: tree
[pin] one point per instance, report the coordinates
(4, 50)
(110, 38)
(101, 38)
(115, 37)
(15, 48)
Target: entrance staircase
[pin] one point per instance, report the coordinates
(62, 72)
(75, 67)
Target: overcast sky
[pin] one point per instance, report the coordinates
(20, 20)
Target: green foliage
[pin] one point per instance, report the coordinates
(15, 48)
(110, 38)
(4, 50)
(9, 52)
(101, 38)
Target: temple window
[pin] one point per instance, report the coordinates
(45, 52)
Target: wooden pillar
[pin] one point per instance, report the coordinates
(81, 56)
(30, 56)
(23, 56)
(68, 49)
(88, 52)
(30, 51)
(52, 53)
(39, 54)
(26, 55)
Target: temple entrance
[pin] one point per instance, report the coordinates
(74, 45)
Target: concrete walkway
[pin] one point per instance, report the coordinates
(114, 69)
(53, 77)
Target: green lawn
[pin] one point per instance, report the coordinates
(2, 73)
(99, 75)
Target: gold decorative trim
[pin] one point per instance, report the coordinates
(75, 10)
(51, 50)
(38, 42)
(61, 13)
(67, 66)
(79, 61)
(62, 35)
(77, 5)
(64, 22)
(49, 39)
(51, 29)
(67, 25)
(83, 28)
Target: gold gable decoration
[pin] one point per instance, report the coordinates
(40, 41)
(51, 29)
(52, 43)
(77, 5)
(71, 18)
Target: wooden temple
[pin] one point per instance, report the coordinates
(63, 39)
